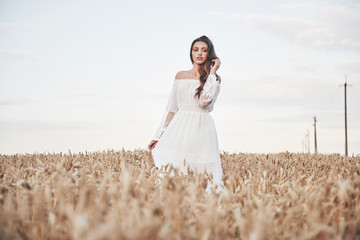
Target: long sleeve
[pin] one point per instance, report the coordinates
(171, 109)
(210, 92)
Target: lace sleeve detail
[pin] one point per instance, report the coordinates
(160, 131)
(171, 109)
(163, 126)
(210, 91)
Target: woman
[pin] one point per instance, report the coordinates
(187, 134)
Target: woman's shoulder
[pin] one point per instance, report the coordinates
(183, 75)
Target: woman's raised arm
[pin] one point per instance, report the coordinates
(210, 91)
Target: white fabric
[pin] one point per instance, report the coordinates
(210, 92)
(187, 135)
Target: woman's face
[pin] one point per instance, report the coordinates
(199, 52)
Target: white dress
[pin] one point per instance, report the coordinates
(190, 138)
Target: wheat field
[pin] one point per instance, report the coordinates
(120, 195)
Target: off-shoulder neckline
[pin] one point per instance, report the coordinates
(193, 79)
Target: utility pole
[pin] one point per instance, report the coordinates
(303, 146)
(346, 138)
(316, 150)
(308, 141)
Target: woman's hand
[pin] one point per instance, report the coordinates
(216, 66)
(152, 144)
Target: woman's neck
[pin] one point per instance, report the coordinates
(196, 69)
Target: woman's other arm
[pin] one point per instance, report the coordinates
(169, 114)
(161, 130)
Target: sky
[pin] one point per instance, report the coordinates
(96, 75)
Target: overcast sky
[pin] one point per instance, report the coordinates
(95, 75)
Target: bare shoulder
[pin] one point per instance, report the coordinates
(180, 75)
(183, 75)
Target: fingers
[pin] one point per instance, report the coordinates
(152, 145)
(216, 62)
(216, 65)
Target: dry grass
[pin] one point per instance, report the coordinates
(118, 195)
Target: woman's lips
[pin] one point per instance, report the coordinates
(199, 58)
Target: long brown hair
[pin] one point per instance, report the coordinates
(205, 67)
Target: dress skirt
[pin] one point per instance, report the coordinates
(190, 140)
